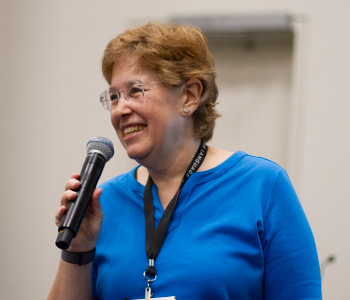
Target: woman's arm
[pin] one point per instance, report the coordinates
(72, 282)
(291, 262)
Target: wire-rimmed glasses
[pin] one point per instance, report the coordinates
(133, 91)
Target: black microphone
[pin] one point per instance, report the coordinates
(99, 151)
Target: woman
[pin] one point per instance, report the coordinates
(228, 225)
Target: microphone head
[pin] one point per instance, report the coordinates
(102, 145)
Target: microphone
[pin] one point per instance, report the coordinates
(99, 151)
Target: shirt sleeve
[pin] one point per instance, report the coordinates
(291, 264)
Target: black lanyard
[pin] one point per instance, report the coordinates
(155, 237)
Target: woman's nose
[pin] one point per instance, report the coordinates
(122, 109)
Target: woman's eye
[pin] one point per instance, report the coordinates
(114, 96)
(134, 92)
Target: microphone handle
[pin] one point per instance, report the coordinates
(71, 221)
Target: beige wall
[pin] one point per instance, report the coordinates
(50, 81)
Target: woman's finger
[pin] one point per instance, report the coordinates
(59, 214)
(68, 196)
(72, 184)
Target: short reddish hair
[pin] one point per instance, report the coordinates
(174, 53)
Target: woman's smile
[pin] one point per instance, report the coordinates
(133, 129)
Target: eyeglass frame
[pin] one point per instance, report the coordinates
(107, 103)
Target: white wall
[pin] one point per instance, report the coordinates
(254, 82)
(50, 82)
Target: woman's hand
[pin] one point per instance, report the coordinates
(91, 225)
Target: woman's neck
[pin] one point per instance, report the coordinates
(174, 164)
(167, 173)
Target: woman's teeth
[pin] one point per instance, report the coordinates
(133, 129)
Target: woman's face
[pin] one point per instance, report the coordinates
(152, 128)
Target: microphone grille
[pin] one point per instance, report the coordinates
(101, 144)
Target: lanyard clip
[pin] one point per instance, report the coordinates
(149, 279)
(150, 273)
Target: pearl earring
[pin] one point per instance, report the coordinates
(186, 110)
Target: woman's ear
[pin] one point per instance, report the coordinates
(193, 92)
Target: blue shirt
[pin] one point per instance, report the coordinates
(238, 232)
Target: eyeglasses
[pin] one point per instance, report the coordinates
(133, 91)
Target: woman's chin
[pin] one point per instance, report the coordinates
(134, 153)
